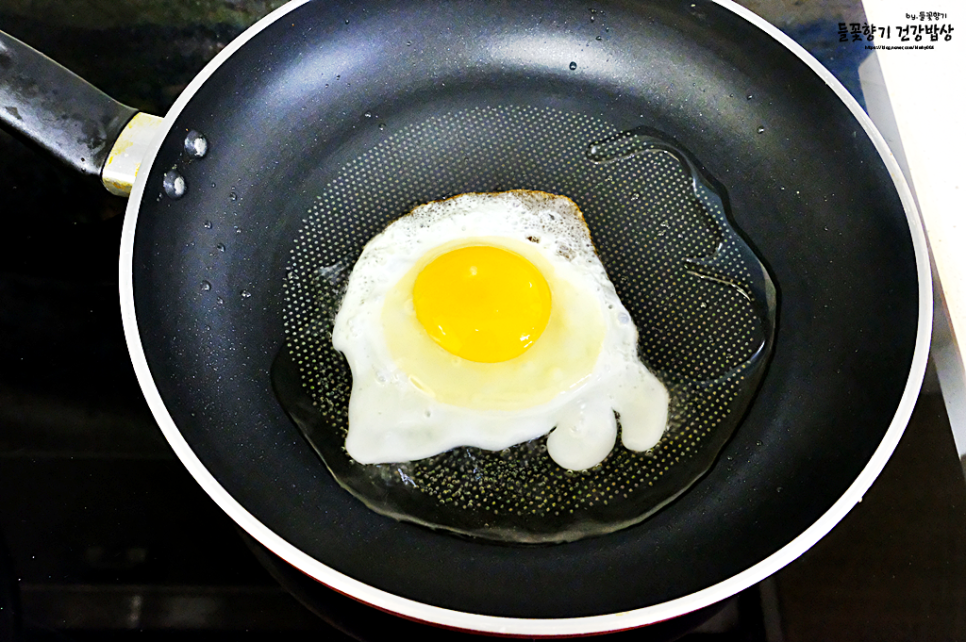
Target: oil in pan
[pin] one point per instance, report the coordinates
(703, 302)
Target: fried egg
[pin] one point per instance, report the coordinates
(487, 320)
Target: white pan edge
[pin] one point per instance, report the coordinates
(521, 626)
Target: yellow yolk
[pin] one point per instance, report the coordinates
(482, 303)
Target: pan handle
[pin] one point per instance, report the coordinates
(50, 107)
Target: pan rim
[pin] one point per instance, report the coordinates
(514, 626)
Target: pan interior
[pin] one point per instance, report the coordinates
(703, 303)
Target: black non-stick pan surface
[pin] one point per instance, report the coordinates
(316, 86)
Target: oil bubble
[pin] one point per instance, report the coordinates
(205, 286)
(573, 66)
(174, 184)
(246, 294)
(195, 144)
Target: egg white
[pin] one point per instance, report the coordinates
(412, 399)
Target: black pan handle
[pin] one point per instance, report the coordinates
(47, 105)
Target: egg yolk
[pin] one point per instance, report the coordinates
(482, 303)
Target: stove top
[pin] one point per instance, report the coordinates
(103, 533)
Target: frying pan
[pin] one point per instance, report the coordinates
(808, 180)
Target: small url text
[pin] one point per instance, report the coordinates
(899, 47)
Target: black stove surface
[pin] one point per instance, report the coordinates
(103, 533)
